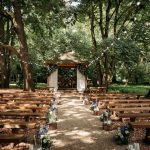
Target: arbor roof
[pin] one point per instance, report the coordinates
(68, 58)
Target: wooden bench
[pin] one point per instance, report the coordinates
(97, 97)
(130, 109)
(23, 108)
(25, 115)
(27, 99)
(17, 125)
(126, 101)
(128, 105)
(145, 127)
(37, 103)
(16, 138)
(143, 124)
(95, 91)
(133, 116)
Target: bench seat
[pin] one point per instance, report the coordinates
(133, 115)
(17, 125)
(4, 138)
(131, 109)
(143, 124)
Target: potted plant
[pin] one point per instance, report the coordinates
(105, 118)
(122, 135)
(96, 111)
(52, 120)
(93, 105)
(44, 140)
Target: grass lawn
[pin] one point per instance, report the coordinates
(117, 88)
(139, 89)
(41, 85)
(38, 85)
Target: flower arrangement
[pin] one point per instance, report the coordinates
(122, 135)
(51, 117)
(93, 106)
(105, 117)
(44, 139)
(53, 105)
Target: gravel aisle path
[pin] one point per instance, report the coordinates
(78, 129)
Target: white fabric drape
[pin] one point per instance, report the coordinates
(81, 82)
(53, 80)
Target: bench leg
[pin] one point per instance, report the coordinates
(132, 119)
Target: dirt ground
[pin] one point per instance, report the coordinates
(79, 129)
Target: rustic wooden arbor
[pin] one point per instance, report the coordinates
(67, 72)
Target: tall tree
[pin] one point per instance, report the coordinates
(112, 18)
(16, 17)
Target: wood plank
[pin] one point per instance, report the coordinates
(21, 114)
(134, 115)
(17, 125)
(129, 104)
(25, 102)
(21, 107)
(131, 109)
(126, 101)
(143, 124)
(12, 138)
(27, 99)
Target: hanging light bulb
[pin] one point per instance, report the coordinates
(138, 3)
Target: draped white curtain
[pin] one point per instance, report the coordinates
(53, 80)
(81, 82)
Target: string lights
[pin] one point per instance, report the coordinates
(29, 63)
(102, 53)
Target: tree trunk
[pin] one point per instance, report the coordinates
(148, 94)
(104, 35)
(6, 57)
(92, 28)
(19, 29)
(2, 52)
(106, 70)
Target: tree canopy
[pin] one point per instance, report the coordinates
(113, 35)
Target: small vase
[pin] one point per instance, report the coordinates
(52, 126)
(96, 113)
(107, 127)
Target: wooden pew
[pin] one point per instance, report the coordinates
(126, 101)
(143, 124)
(129, 105)
(138, 109)
(25, 115)
(17, 125)
(16, 138)
(37, 103)
(23, 107)
(95, 91)
(96, 97)
(27, 99)
(133, 116)
(24, 95)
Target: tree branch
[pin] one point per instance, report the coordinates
(101, 19)
(107, 18)
(116, 15)
(11, 49)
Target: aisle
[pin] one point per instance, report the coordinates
(78, 129)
